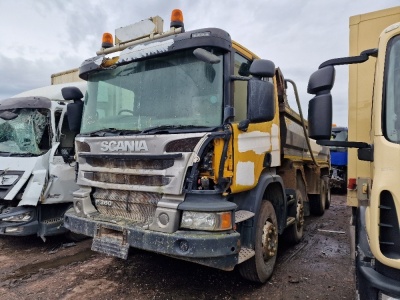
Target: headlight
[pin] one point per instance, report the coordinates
(24, 217)
(207, 221)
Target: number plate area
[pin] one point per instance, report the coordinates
(111, 241)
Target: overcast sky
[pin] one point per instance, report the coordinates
(42, 37)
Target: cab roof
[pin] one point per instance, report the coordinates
(52, 92)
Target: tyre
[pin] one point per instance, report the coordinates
(259, 268)
(328, 192)
(294, 233)
(318, 201)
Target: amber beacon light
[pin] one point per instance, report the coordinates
(177, 19)
(107, 40)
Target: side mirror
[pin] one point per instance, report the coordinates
(320, 107)
(71, 93)
(74, 115)
(74, 110)
(260, 93)
(262, 68)
(320, 117)
(260, 101)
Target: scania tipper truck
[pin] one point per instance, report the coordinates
(188, 148)
(374, 142)
(37, 172)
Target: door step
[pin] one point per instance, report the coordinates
(243, 215)
(245, 254)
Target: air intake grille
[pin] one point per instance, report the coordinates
(147, 180)
(389, 231)
(126, 163)
(131, 205)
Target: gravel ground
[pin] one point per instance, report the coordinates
(319, 267)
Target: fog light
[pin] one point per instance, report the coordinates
(14, 229)
(207, 221)
(163, 219)
(78, 206)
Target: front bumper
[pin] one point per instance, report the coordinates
(386, 285)
(33, 226)
(213, 249)
(23, 228)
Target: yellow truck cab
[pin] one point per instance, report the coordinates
(374, 142)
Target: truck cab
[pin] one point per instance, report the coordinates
(37, 174)
(187, 148)
(374, 146)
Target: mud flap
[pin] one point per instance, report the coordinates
(111, 242)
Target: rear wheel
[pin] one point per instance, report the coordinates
(294, 233)
(328, 192)
(318, 201)
(260, 267)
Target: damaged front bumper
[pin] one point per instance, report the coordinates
(19, 221)
(214, 249)
(25, 220)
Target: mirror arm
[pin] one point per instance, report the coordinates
(244, 125)
(344, 144)
(240, 78)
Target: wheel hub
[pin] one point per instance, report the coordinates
(269, 240)
(300, 215)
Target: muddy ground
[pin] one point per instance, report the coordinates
(319, 267)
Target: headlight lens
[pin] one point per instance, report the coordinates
(24, 217)
(206, 220)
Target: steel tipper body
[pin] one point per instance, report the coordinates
(180, 152)
(37, 177)
(373, 168)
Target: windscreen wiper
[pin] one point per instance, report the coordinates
(110, 131)
(168, 128)
(27, 154)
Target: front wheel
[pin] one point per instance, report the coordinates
(260, 267)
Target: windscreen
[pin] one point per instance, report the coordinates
(391, 120)
(23, 133)
(173, 90)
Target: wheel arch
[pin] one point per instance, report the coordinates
(270, 187)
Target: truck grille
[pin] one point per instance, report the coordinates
(131, 205)
(148, 180)
(126, 163)
(389, 232)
